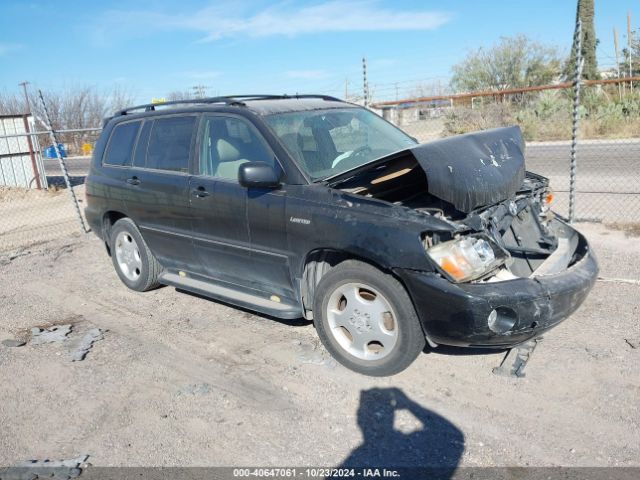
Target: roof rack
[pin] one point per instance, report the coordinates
(284, 97)
(149, 107)
(237, 100)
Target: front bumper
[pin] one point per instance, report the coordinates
(456, 314)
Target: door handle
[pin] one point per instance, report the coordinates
(133, 181)
(200, 192)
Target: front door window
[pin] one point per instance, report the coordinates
(227, 143)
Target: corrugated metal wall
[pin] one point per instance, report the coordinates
(16, 165)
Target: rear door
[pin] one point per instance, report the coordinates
(109, 182)
(158, 188)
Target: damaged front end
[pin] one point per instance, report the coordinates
(508, 269)
(523, 234)
(506, 306)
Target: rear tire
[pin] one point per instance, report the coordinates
(134, 263)
(366, 320)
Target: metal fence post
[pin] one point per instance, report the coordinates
(577, 44)
(32, 155)
(63, 166)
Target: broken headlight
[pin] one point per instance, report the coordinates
(546, 199)
(467, 258)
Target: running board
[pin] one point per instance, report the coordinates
(241, 299)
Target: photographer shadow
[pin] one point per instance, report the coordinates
(435, 447)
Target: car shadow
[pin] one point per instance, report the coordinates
(434, 447)
(462, 351)
(302, 322)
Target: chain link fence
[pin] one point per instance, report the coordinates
(30, 215)
(608, 155)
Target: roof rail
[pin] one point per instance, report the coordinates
(237, 100)
(149, 107)
(285, 96)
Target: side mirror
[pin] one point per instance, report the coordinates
(258, 175)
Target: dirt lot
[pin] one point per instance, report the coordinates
(35, 216)
(181, 380)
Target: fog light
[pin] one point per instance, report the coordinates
(501, 320)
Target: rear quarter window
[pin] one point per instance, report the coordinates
(140, 157)
(121, 142)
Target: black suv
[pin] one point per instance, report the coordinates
(308, 206)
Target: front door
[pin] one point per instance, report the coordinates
(239, 233)
(218, 202)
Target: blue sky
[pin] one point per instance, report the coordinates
(153, 47)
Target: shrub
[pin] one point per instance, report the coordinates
(548, 115)
(464, 119)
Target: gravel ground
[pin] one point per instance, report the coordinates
(183, 381)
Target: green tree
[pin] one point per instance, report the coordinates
(511, 63)
(585, 13)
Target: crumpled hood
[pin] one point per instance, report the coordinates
(475, 169)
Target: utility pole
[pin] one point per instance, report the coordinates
(629, 49)
(365, 82)
(25, 119)
(615, 46)
(26, 97)
(346, 89)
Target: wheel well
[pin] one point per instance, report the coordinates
(108, 220)
(316, 265)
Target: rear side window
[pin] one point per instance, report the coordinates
(170, 144)
(119, 150)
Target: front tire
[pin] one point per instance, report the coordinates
(134, 262)
(366, 320)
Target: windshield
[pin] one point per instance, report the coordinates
(328, 142)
